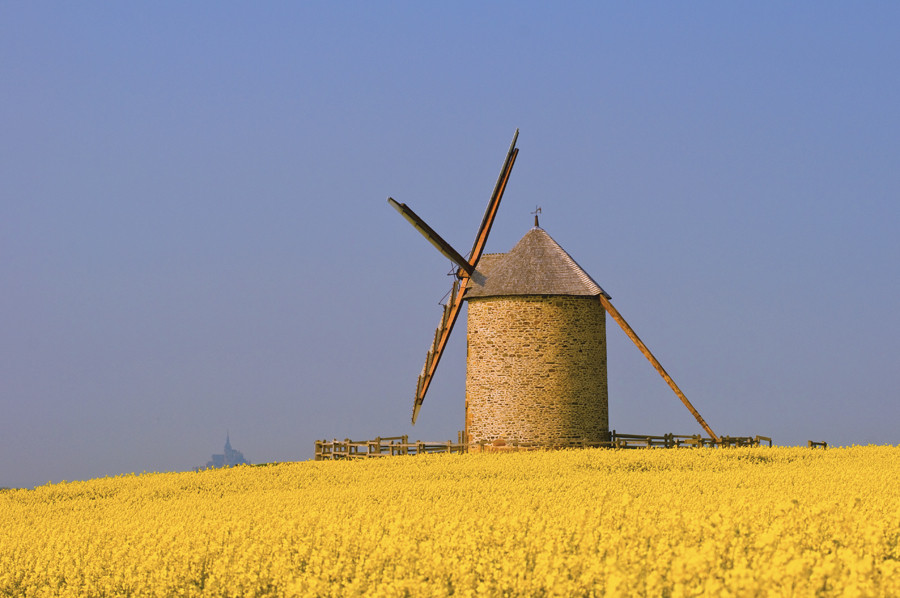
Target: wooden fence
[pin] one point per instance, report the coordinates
(385, 446)
(382, 446)
(618, 440)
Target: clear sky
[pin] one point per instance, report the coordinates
(194, 236)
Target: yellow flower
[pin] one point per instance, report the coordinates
(732, 522)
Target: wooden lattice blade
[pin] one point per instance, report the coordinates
(612, 311)
(435, 239)
(448, 319)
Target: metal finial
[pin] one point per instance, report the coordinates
(537, 210)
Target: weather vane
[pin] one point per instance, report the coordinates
(537, 210)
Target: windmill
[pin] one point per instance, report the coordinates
(532, 302)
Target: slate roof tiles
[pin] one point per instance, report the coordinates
(537, 265)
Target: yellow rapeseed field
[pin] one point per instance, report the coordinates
(686, 522)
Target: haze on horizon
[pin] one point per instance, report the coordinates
(194, 236)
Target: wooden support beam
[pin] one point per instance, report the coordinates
(612, 311)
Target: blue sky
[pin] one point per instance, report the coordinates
(194, 235)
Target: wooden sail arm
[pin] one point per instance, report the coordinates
(491, 212)
(659, 368)
(429, 233)
(434, 356)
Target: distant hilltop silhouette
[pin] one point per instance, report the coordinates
(229, 458)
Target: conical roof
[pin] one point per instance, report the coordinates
(537, 265)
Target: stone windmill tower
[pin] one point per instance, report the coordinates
(536, 360)
(536, 365)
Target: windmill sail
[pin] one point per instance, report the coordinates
(466, 269)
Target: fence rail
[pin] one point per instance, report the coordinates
(382, 447)
(385, 446)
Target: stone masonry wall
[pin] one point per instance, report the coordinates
(536, 369)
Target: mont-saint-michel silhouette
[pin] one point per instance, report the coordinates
(229, 458)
